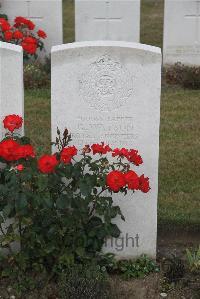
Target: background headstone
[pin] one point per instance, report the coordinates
(181, 32)
(110, 91)
(117, 20)
(46, 14)
(11, 81)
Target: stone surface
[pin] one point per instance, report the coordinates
(110, 91)
(11, 81)
(11, 91)
(182, 32)
(117, 20)
(46, 14)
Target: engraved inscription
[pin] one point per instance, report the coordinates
(183, 50)
(106, 84)
(196, 17)
(115, 130)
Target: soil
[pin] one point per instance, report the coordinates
(153, 286)
(176, 241)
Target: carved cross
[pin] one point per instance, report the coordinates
(196, 16)
(107, 19)
(29, 15)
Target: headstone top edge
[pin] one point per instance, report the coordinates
(107, 0)
(35, 0)
(11, 47)
(120, 44)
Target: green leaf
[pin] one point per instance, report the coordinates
(25, 140)
(21, 202)
(84, 188)
(48, 202)
(62, 203)
(1, 219)
(7, 210)
(42, 182)
(80, 251)
(114, 230)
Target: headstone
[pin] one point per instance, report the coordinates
(182, 32)
(46, 14)
(11, 83)
(110, 91)
(117, 20)
(11, 93)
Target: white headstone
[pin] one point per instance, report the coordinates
(117, 20)
(46, 14)
(182, 32)
(11, 81)
(110, 91)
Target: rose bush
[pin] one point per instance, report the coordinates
(22, 33)
(60, 211)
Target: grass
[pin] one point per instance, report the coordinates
(37, 118)
(179, 185)
(179, 182)
(152, 22)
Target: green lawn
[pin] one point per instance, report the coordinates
(179, 179)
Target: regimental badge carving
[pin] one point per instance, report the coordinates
(106, 84)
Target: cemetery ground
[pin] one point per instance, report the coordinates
(179, 164)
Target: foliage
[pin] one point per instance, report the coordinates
(22, 32)
(173, 268)
(83, 281)
(185, 76)
(36, 75)
(193, 259)
(137, 268)
(59, 208)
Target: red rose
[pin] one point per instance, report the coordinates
(47, 163)
(144, 184)
(18, 34)
(134, 157)
(30, 24)
(41, 34)
(100, 148)
(5, 26)
(24, 152)
(21, 21)
(68, 153)
(8, 148)
(19, 167)
(12, 122)
(123, 152)
(8, 35)
(132, 180)
(115, 180)
(29, 44)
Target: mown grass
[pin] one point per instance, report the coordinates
(38, 119)
(151, 30)
(179, 179)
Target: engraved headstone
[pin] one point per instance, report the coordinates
(110, 91)
(46, 14)
(11, 83)
(117, 20)
(182, 32)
